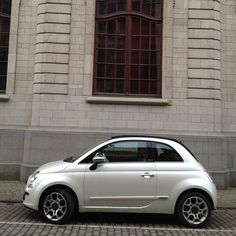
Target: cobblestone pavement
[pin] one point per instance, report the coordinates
(17, 220)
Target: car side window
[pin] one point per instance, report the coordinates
(126, 151)
(165, 153)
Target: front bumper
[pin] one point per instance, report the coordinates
(29, 201)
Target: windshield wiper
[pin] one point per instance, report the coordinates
(70, 159)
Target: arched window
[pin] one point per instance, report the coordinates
(128, 47)
(5, 14)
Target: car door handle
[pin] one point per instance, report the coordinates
(147, 175)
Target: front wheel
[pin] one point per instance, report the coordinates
(194, 210)
(57, 206)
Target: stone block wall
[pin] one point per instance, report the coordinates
(51, 75)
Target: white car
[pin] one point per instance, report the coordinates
(125, 174)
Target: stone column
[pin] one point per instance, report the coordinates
(52, 47)
(204, 49)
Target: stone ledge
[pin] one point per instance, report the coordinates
(4, 97)
(129, 101)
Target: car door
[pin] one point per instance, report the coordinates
(127, 180)
(170, 172)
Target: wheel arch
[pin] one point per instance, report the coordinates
(195, 190)
(61, 186)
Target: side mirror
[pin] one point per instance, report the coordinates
(99, 158)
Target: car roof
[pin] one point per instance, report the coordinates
(145, 136)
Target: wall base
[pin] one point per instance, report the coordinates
(26, 150)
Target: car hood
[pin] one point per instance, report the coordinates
(52, 167)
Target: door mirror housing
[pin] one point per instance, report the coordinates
(99, 158)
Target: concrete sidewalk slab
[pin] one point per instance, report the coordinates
(12, 191)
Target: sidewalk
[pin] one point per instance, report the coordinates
(12, 191)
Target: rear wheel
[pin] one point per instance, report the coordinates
(57, 206)
(194, 210)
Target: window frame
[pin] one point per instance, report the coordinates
(128, 15)
(12, 53)
(5, 17)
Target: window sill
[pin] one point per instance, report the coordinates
(4, 98)
(129, 101)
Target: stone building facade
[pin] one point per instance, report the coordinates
(49, 110)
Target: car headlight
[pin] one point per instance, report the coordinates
(34, 176)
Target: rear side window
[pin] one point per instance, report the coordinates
(164, 153)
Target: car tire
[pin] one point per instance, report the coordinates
(194, 209)
(57, 206)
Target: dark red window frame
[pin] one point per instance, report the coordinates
(5, 17)
(128, 48)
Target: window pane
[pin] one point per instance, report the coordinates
(102, 7)
(111, 41)
(101, 55)
(134, 86)
(135, 42)
(6, 6)
(145, 27)
(155, 29)
(121, 26)
(3, 53)
(146, 7)
(100, 70)
(153, 87)
(109, 86)
(3, 80)
(121, 42)
(101, 41)
(111, 28)
(111, 6)
(144, 86)
(102, 27)
(111, 56)
(121, 5)
(120, 56)
(129, 151)
(153, 57)
(3, 68)
(119, 86)
(144, 72)
(4, 39)
(100, 85)
(145, 57)
(135, 57)
(153, 72)
(134, 72)
(156, 8)
(135, 26)
(165, 153)
(136, 5)
(145, 42)
(110, 70)
(120, 71)
(5, 26)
